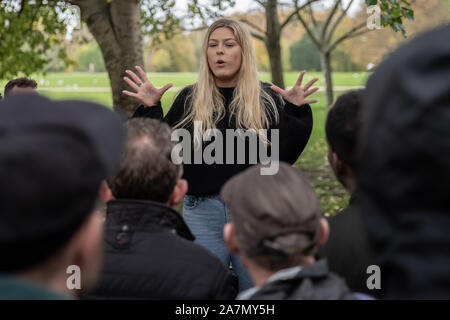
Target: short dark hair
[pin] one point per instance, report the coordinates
(343, 125)
(146, 170)
(21, 83)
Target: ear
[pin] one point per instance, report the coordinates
(336, 163)
(105, 192)
(179, 191)
(340, 169)
(229, 236)
(324, 232)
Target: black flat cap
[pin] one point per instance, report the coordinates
(53, 156)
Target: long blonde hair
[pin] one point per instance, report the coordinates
(249, 100)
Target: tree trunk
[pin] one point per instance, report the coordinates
(325, 60)
(117, 30)
(272, 42)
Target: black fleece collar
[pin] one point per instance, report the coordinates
(142, 214)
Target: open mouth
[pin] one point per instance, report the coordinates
(220, 63)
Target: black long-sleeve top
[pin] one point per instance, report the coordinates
(294, 124)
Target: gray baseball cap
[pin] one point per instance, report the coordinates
(273, 213)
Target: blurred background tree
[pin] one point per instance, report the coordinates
(304, 55)
(34, 35)
(89, 58)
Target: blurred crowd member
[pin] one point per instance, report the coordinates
(52, 162)
(347, 250)
(228, 97)
(276, 228)
(20, 85)
(404, 171)
(150, 251)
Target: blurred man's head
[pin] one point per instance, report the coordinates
(342, 130)
(276, 220)
(53, 157)
(403, 169)
(146, 170)
(20, 86)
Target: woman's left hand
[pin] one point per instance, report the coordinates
(297, 94)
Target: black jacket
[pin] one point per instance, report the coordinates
(149, 254)
(294, 125)
(404, 171)
(347, 250)
(313, 282)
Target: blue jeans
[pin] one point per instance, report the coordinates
(206, 217)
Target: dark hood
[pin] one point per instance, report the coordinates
(404, 174)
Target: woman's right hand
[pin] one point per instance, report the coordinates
(146, 93)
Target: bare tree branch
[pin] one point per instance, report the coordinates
(257, 36)
(261, 2)
(294, 12)
(286, 21)
(311, 16)
(251, 24)
(203, 27)
(354, 32)
(306, 4)
(307, 28)
(338, 20)
(330, 17)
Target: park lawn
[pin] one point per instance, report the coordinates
(104, 98)
(313, 161)
(73, 81)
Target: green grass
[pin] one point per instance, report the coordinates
(313, 161)
(104, 98)
(84, 79)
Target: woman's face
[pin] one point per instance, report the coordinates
(224, 57)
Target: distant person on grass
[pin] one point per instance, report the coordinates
(347, 250)
(149, 251)
(228, 95)
(52, 162)
(20, 86)
(276, 228)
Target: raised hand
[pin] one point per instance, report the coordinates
(146, 93)
(297, 94)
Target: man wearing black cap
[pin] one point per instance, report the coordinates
(149, 251)
(276, 229)
(404, 168)
(53, 157)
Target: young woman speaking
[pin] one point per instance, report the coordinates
(228, 95)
